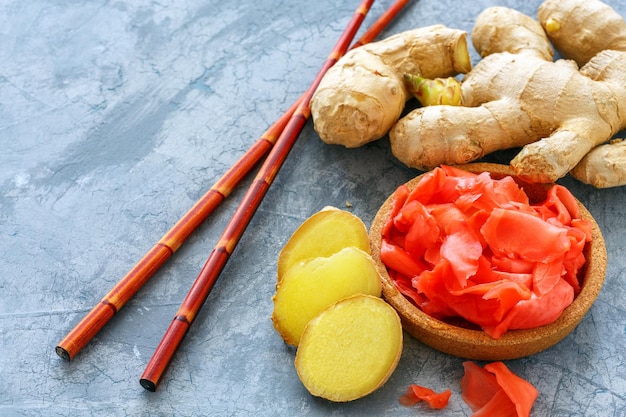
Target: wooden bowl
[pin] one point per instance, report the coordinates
(476, 344)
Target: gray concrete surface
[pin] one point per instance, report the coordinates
(115, 117)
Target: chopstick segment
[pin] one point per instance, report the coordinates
(381, 23)
(241, 218)
(152, 261)
(128, 286)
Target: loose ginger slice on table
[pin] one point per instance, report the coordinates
(313, 284)
(322, 234)
(350, 349)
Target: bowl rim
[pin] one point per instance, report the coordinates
(476, 344)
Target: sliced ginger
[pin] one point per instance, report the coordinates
(350, 349)
(328, 304)
(311, 285)
(324, 233)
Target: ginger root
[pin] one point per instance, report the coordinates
(579, 29)
(364, 93)
(350, 349)
(518, 97)
(492, 117)
(500, 29)
(604, 166)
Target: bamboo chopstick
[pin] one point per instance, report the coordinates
(126, 288)
(252, 199)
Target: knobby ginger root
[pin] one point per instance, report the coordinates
(518, 97)
(575, 138)
(499, 29)
(579, 29)
(364, 93)
(604, 166)
(350, 349)
(492, 117)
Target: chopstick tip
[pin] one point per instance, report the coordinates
(147, 384)
(64, 354)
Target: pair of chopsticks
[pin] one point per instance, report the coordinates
(278, 141)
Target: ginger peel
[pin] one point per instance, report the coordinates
(364, 93)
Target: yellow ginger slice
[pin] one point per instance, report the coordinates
(313, 284)
(350, 349)
(324, 233)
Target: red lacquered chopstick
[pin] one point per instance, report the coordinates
(252, 199)
(126, 288)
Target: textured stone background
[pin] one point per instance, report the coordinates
(115, 117)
